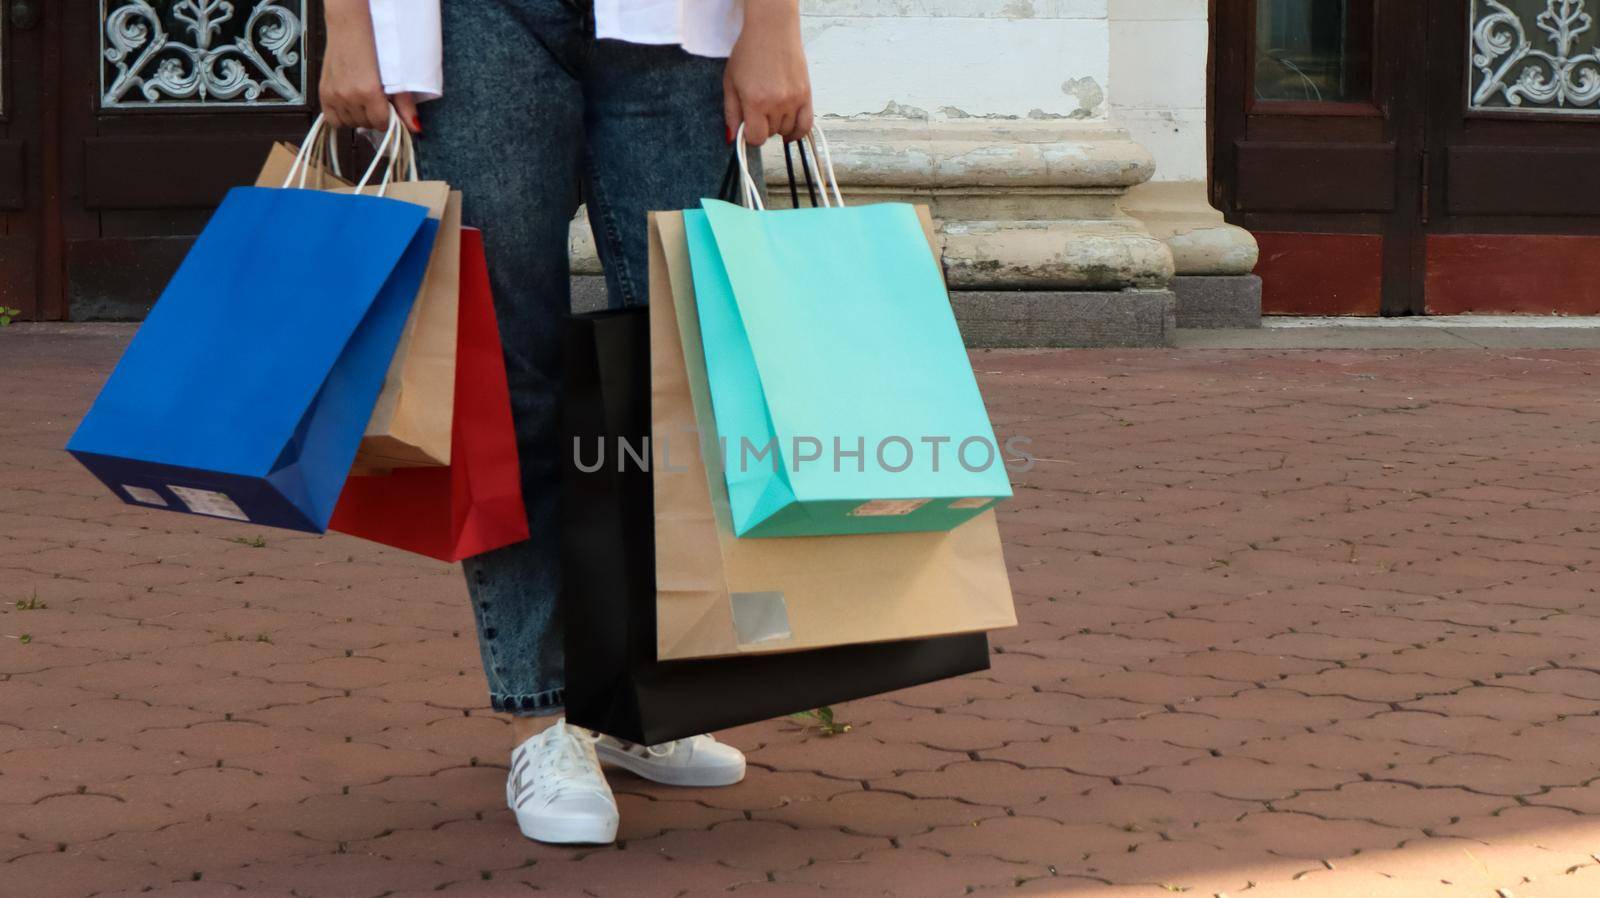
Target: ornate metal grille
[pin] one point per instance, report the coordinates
(1534, 56)
(202, 53)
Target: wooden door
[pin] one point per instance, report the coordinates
(29, 219)
(132, 118)
(171, 104)
(1513, 147)
(1317, 148)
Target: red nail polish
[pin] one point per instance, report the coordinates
(416, 123)
(730, 134)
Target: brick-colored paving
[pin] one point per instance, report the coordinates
(1317, 624)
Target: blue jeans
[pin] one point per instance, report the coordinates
(536, 115)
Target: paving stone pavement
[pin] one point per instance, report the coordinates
(1311, 624)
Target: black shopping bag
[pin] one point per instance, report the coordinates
(614, 683)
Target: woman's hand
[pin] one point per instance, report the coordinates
(351, 88)
(766, 86)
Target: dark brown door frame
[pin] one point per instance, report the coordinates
(52, 258)
(1452, 128)
(138, 183)
(1510, 222)
(1399, 97)
(30, 263)
(1405, 254)
(50, 123)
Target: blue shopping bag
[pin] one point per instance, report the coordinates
(245, 393)
(839, 381)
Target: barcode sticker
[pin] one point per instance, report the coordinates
(975, 502)
(145, 496)
(218, 505)
(887, 508)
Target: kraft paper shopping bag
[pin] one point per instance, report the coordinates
(282, 160)
(475, 504)
(720, 595)
(245, 393)
(615, 682)
(837, 372)
(410, 424)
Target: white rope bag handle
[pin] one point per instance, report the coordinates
(395, 152)
(819, 154)
(313, 152)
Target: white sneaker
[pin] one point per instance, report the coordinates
(695, 761)
(557, 791)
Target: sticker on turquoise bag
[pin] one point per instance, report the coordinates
(215, 504)
(964, 504)
(144, 496)
(887, 508)
(759, 617)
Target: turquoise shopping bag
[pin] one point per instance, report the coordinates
(839, 381)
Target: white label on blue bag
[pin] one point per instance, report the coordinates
(887, 508)
(218, 505)
(144, 496)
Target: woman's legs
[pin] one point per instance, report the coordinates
(508, 134)
(655, 141)
(532, 102)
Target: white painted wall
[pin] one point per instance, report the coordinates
(955, 59)
(1139, 63)
(1158, 77)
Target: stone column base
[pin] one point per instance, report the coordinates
(1026, 224)
(1024, 319)
(588, 293)
(1218, 301)
(1178, 214)
(1039, 319)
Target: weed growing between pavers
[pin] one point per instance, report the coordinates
(824, 720)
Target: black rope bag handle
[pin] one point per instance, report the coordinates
(729, 191)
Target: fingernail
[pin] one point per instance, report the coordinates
(416, 123)
(730, 134)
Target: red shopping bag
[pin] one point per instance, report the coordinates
(474, 504)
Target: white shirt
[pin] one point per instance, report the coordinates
(702, 27)
(411, 54)
(410, 47)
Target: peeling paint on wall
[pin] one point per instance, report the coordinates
(892, 110)
(956, 112)
(1089, 94)
(899, 110)
(1018, 9)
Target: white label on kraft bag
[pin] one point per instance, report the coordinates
(887, 508)
(218, 505)
(965, 504)
(760, 617)
(144, 496)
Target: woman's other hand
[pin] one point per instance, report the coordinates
(352, 88)
(766, 86)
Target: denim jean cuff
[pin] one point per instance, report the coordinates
(538, 704)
